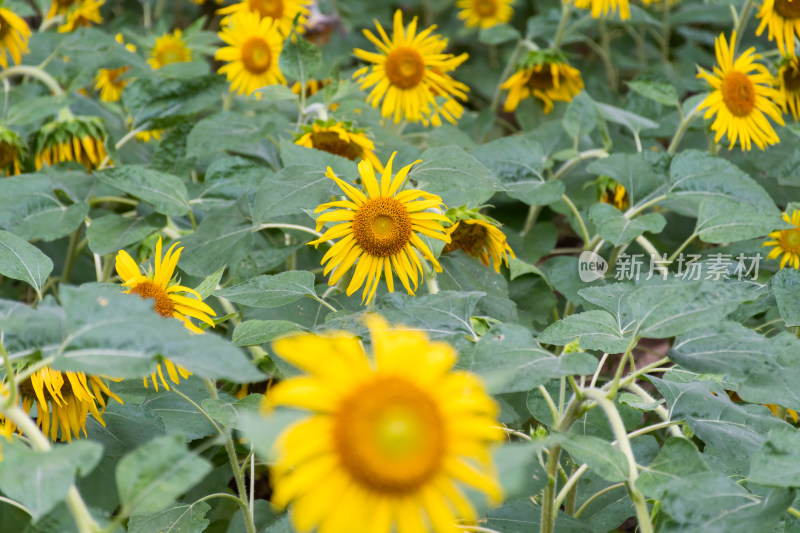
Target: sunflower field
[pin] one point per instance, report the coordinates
(363, 266)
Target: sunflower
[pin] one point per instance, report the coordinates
(390, 440)
(63, 400)
(786, 241)
(312, 87)
(12, 148)
(283, 12)
(546, 75)
(789, 82)
(339, 138)
(60, 7)
(255, 45)
(110, 83)
(600, 8)
(782, 19)
(613, 193)
(480, 238)
(83, 15)
(484, 13)
(743, 94)
(170, 48)
(14, 34)
(169, 298)
(381, 228)
(70, 138)
(409, 71)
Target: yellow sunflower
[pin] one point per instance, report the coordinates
(14, 34)
(600, 8)
(63, 400)
(480, 239)
(390, 441)
(484, 13)
(255, 44)
(312, 87)
(613, 193)
(60, 7)
(70, 138)
(283, 12)
(170, 48)
(782, 19)
(787, 241)
(409, 71)
(11, 149)
(83, 15)
(380, 230)
(339, 138)
(169, 298)
(110, 83)
(789, 82)
(545, 75)
(743, 94)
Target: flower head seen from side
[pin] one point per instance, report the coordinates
(484, 13)
(110, 82)
(613, 193)
(312, 87)
(786, 241)
(283, 12)
(601, 8)
(63, 401)
(339, 138)
(170, 48)
(380, 230)
(12, 148)
(545, 75)
(71, 138)
(254, 45)
(789, 83)
(14, 34)
(390, 441)
(480, 237)
(743, 97)
(83, 15)
(170, 299)
(409, 71)
(781, 19)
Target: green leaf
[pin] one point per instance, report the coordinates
(597, 330)
(23, 261)
(776, 463)
(615, 228)
(461, 272)
(660, 92)
(231, 413)
(233, 132)
(456, 176)
(111, 233)
(178, 519)
(519, 268)
(520, 473)
(498, 34)
(299, 58)
(510, 360)
(580, 118)
(786, 288)
(271, 291)
(30, 209)
(603, 458)
(722, 220)
(152, 476)
(632, 121)
(209, 285)
(127, 426)
(224, 237)
(292, 190)
(677, 458)
(255, 332)
(639, 173)
(163, 102)
(166, 193)
(262, 430)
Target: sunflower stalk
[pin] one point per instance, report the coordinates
(34, 72)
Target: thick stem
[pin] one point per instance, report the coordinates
(566, 9)
(684, 125)
(34, 72)
(510, 66)
(72, 252)
(577, 216)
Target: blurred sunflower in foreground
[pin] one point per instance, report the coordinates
(381, 230)
(479, 236)
(743, 94)
(339, 138)
(170, 48)
(546, 75)
(83, 15)
(409, 71)
(14, 34)
(390, 441)
(786, 242)
(484, 13)
(283, 12)
(71, 138)
(169, 299)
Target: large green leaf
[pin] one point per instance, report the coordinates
(461, 272)
(777, 462)
(615, 228)
(254, 332)
(23, 261)
(786, 288)
(166, 193)
(233, 132)
(271, 291)
(299, 58)
(231, 412)
(292, 190)
(112, 232)
(454, 175)
(224, 237)
(603, 458)
(157, 103)
(178, 519)
(30, 209)
(597, 330)
(639, 173)
(677, 458)
(722, 220)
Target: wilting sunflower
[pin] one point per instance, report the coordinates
(255, 44)
(782, 19)
(339, 138)
(12, 148)
(169, 298)
(109, 82)
(613, 193)
(83, 15)
(70, 138)
(600, 8)
(786, 241)
(743, 94)
(479, 236)
(484, 13)
(170, 48)
(380, 230)
(283, 12)
(546, 75)
(63, 400)
(14, 34)
(409, 71)
(789, 82)
(390, 441)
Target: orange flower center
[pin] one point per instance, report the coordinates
(149, 289)
(738, 93)
(405, 67)
(788, 9)
(382, 226)
(468, 237)
(389, 435)
(484, 8)
(790, 240)
(172, 52)
(542, 79)
(330, 142)
(256, 55)
(791, 78)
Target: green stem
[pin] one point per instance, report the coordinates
(665, 29)
(741, 23)
(116, 199)
(605, 45)
(578, 216)
(618, 374)
(289, 226)
(682, 247)
(18, 505)
(326, 304)
(633, 211)
(12, 395)
(596, 495)
(34, 72)
(431, 284)
(684, 125)
(510, 66)
(566, 9)
(660, 411)
(530, 220)
(794, 512)
(72, 250)
(649, 248)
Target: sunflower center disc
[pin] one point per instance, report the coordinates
(738, 93)
(8, 153)
(788, 9)
(542, 79)
(791, 79)
(330, 142)
(791, 240)
(256, 55)
(468, 237)
(172, 54)
(267, 8)
(484, 8)
(405, 67)
(149, 289)
(382, 226)
(389, 435)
